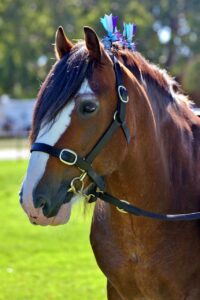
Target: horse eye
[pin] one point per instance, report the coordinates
(88, 108)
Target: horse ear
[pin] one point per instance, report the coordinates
(62, 44)
(92, 43)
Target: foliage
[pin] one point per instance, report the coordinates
(37, 263)
(167, 34)
(191, 77)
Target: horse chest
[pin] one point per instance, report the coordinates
(117, 255)
(133, 273)
(113, 258)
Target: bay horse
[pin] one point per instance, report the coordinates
(151, 159)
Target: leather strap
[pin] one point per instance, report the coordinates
(132, 209)
(102, 141)
(67, 156)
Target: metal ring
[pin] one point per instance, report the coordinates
(121, 209)
(119, 93)
(88, 197)
(67, 162)
(115, 115)
(73, 187)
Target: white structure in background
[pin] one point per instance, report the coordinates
(15, 116)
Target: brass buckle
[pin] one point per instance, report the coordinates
(66, 162)
(73, 187)
(121, 209)
(119, 93)
(79, 191)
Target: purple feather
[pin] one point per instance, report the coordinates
(114, 21)
(109, 23)
(134, 29)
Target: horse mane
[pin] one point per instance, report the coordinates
(159, 85)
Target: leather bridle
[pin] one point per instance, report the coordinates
(71, 158)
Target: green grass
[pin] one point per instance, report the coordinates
(43, 263)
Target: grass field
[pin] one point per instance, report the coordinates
(43, 263)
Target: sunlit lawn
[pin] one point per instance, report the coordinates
(43, 263)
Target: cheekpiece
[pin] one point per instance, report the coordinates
(125, 39)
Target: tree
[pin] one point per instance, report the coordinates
(167, 34)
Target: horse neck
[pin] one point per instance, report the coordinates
(145, 176)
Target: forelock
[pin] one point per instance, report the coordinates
(61, 84)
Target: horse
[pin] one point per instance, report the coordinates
(151, 159)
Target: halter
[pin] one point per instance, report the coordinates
(84, 164)
(70, 157)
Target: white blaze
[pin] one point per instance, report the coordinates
(49, 134)
(85, 88)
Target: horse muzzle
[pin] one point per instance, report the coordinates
(42, 209)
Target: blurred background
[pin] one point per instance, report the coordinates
(168, 34)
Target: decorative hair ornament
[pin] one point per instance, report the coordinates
(129, 33)
(109, 23)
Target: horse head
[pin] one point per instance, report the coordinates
(76, 104)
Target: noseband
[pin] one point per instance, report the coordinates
(84, 164)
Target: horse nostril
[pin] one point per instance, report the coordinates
(33, 217)
(50, 210)
(39, 201)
